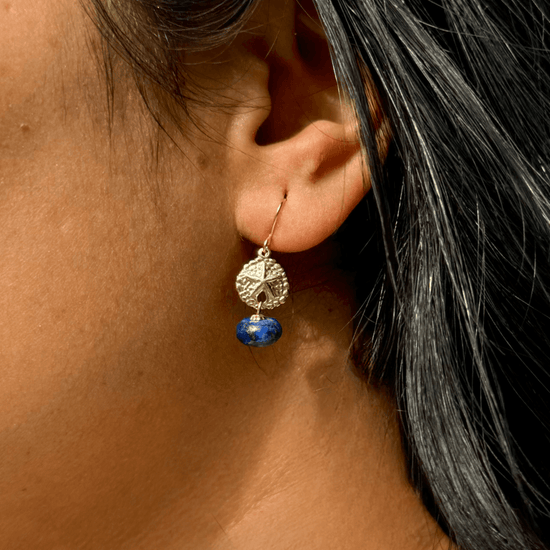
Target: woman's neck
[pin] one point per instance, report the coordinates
(298, 452)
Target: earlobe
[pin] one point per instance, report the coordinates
(321, 172)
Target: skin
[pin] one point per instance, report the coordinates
(130, 416)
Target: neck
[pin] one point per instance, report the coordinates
(329, 473)
(300, 453)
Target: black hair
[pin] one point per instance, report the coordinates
(453, 263)
(460, 314)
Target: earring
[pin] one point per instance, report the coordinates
(262, 283)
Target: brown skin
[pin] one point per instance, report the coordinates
(130, 417)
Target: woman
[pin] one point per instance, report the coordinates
(149, 149)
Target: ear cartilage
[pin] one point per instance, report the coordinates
(262, 283)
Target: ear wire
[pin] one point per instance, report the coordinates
(267, 242)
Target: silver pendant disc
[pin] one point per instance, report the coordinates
(262, 276)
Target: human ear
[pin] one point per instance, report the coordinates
(301, 144)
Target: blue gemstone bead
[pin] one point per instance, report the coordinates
(259, 334)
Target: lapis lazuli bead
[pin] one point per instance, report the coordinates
(260, 333)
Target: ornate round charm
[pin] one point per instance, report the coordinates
(262, 276)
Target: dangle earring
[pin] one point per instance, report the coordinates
(262, 283)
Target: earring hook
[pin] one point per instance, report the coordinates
(265, 249)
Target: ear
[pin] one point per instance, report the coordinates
(300, 144)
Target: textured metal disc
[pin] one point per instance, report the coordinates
(262, 275)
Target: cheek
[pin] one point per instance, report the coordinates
(69, 272)
(108, 306)
(114, 295)
(86, 279)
